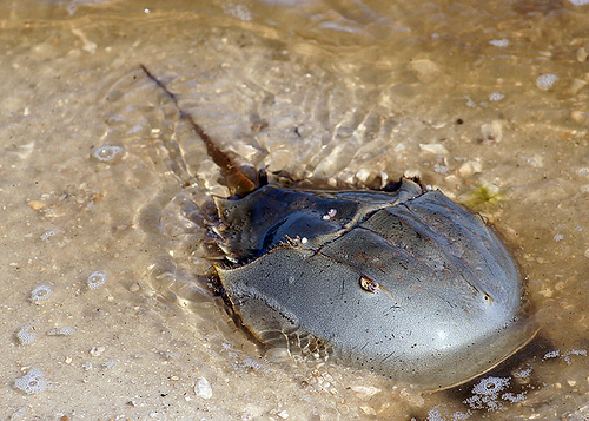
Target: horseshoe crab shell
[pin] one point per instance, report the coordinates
(406, 283)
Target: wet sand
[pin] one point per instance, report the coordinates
(487, 102)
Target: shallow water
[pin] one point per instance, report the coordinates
(486, 101)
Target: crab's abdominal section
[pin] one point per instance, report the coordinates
(406, 283)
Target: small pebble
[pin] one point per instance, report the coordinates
(582, 54)
(426, 70)
(36, 205)
(331, 214)
(496, 96)
(504, 42)
(366, 391)
(577, 85)
(399, 148)
(41, 293)
(96, 279)
(368, 410)
(547, 292)
(31, 383)
(546, 81)
(492, 132)
(97, 351)
(579, 116)
(362, 175)
(48, 234)
(469, 168)
(203, 388)
(107, 365)
(412, 173)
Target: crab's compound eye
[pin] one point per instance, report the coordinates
(368, 284)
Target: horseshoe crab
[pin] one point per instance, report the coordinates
(402, 281)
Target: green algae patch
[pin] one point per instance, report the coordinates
(483, 196)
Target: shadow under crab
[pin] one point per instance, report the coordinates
(402, 281)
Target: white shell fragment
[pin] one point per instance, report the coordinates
(435, 148)
(203, 388)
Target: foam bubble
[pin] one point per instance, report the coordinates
(546, 81)
(486, 393)
(31, 383)
(96, 279)
(24, 336)
(41, 293)
(491, 385)
(108, 153)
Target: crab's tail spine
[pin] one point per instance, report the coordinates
(235, 179)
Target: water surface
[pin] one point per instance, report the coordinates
(487, 101)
